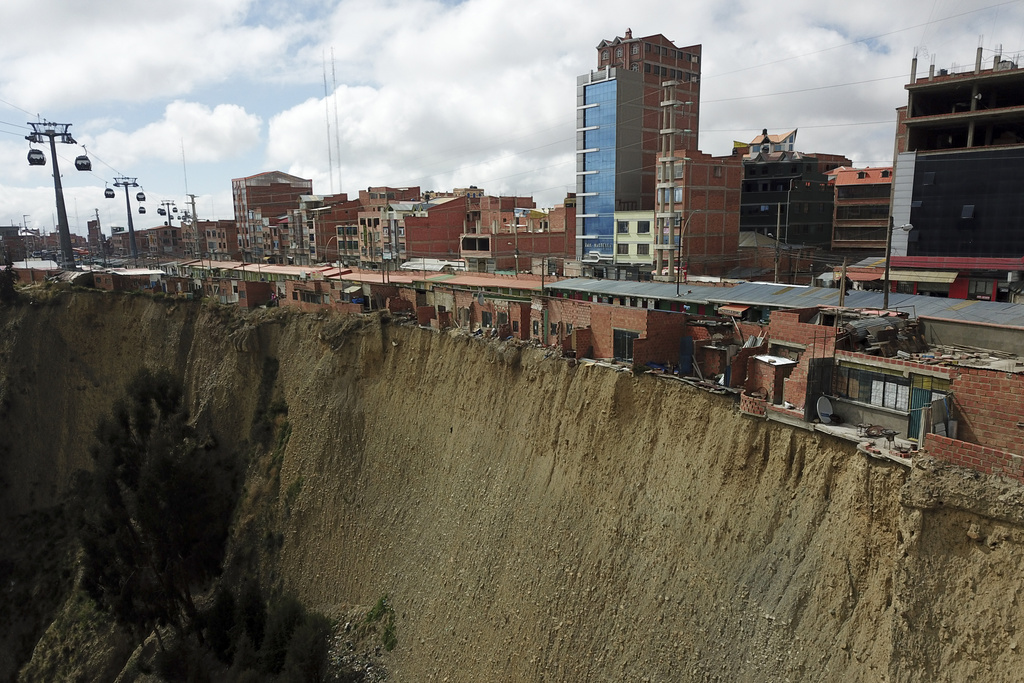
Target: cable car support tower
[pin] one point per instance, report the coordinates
(53, 132)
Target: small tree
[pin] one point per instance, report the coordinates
(8, 295)
(158, 512)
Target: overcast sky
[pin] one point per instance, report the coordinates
(440, 94)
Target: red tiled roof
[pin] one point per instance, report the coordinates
(851, 176)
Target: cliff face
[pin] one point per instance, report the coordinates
(533, 520)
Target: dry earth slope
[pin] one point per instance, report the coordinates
(532, 520)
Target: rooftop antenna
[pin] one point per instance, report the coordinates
(337, 129)
(184, 169)
(327, 121)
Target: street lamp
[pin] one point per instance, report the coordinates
(679, 247)
(906, 227)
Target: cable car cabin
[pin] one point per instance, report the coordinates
(161, 211)
(175, 209)
(82, 163)
(142, 209)
(36, 158)
(108, 193)
(141, 196)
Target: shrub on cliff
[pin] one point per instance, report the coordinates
(8, 295)
(157, 512)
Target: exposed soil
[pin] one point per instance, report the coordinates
(533, 520)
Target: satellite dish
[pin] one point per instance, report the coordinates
(480, 299)
(824, 410)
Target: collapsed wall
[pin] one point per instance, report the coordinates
(531, 519)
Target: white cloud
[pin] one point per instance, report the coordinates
(443, 94)
(207, 135)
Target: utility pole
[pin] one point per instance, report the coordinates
(778, 225)
(195, 227)
(51, 131)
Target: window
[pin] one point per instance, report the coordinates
(622, 227)
(643, 250)
(554, 329)
(873, 386)
(635, 49)
(980, 289)
(515, 325)
(618, 52)
(485, 318)
(647, 68)
(967, 211)
(622, 249)
(718, 171)
(536, 328)
(635, 66)
(643, 227)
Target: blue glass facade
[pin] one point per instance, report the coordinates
(599, 229)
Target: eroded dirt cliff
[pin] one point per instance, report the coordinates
(533, 520)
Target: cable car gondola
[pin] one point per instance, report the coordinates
(108, 193)
(175, 209)
(141, 196)
(82, 163)
(36, 158)
(142, 209)
(161, 211)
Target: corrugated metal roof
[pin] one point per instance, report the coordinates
(771, 295)
(688, 292)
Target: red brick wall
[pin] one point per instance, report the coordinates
(761, 376)
(975, 457)
(254, 294)
(436, 235)
(409, 294)
(741, 362)
(791, 326)
(424, 314)
(663, 334)
(753, 406)
(988, 403)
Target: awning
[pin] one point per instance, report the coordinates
(732, 310)
(943, 276)
(862, 276)
(353, 288)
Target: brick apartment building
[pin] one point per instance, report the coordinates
(218, 240)
(697, 213)
(261, 202)
(860, 218)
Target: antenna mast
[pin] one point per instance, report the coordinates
(337, 129)
(327, 120)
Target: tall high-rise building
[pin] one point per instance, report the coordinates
(619, 133)
(959, 160)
